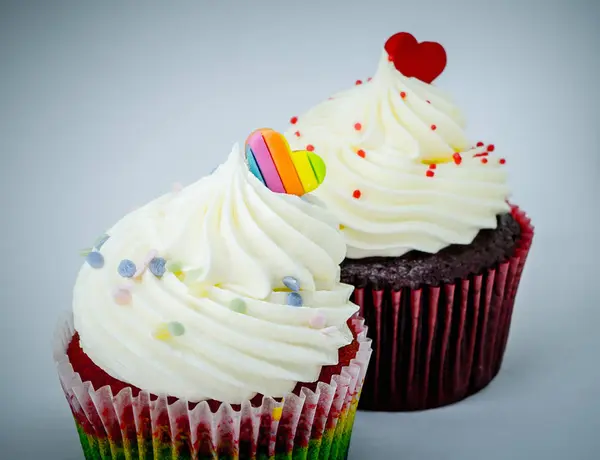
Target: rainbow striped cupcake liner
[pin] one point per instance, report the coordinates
(313, 425)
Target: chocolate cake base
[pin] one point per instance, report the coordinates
(417, 268)
(439, 322)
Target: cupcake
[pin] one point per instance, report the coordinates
(212, 324)
(435, 250)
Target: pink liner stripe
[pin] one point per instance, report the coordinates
(267, 166)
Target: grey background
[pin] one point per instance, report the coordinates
(103, 105)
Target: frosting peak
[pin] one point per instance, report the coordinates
(220, 322)
(402, 174)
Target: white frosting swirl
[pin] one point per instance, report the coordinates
(234, 239)
(404, 125)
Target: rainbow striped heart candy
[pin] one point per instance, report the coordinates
(282, 170)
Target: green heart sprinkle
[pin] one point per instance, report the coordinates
(176, 328)
(238, 305)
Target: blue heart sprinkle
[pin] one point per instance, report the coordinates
(95, 259)
(291, 283)
(294, 299)
(126, 268)
(158, 266)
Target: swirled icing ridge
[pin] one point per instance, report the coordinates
(232, 242)
(402, 174)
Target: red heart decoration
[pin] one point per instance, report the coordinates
(425, 60)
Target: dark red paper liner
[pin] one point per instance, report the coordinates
(437, 345)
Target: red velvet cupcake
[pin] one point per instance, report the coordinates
(435, 250)
(212, 323)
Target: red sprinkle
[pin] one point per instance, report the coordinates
(457, 158)
(490, 148)
(361, 153)
(484, 160)
(502, 161)
(479, 144)
(433, 127)
(402, 94)
(390, 58)
(369, 79)
(357, 126)
(430, 173)
(482, 154)
(359, 82)
(297, 133)
(356, 194)
(432, 166)
(310, 147)
(294, 120)
(428, 102)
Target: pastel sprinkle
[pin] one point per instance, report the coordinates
(95, 259)
(291, 283)
(294, 299)
(277, 413)
(162, 332)
(126, 268)
(175, 328)
(317, 321)
(85, 252)
(198, 290)
(157, 266)
(122, 295)
(238, 305)
(100, 241)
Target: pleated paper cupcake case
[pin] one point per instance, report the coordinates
(437, 345)
(314, 425)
